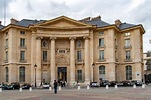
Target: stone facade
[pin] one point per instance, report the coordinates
(70, 50)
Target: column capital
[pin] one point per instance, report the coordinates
(72, 38)
(53, 38)
(39, 38)
(86, 37)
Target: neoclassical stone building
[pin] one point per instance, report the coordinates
(40, 51)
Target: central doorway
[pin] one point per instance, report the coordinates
(62, 73)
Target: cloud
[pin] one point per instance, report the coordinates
(131, 11)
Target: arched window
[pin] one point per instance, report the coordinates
(22, 74)
(128, 72)
(7, 74)
(102, 72)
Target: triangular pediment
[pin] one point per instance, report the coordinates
(63, 22)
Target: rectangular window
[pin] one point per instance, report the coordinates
(44, 55)
(128, 72)
(127, 43)
(6, 43)
(79, 56)
(6, 55)
(7, 74)
(22, 55)
(128, 57)
(22, 32)
(61, 51)
(22, 42)
(79, 75)
(101, 42)
(101, 55)
(101, 33)
(22, 74)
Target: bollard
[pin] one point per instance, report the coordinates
(143, 85)
(107, 87)
(0, 89)
(116, 86)
(30, 89)
(20, 89)
(88, 87)
(50, 88)
(59, 87)
(78, 87)
(134, 86)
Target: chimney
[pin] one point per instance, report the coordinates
(13, 21)
(117, 22)
(86, 19)
(97, 18)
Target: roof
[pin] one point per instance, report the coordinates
(126, 25)
(1, 26)
(27, 22)
(98, 22)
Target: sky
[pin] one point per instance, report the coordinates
(130, 11)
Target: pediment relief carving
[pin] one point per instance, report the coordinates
(61, 60)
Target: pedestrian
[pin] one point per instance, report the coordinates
(55, 86)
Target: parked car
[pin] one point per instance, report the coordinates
(26, 86)
(45, 85)
(113, 83)
(104, 83)
(3, 86)
(137, 82)
(15, 85)
(94, 84)
(127, 83)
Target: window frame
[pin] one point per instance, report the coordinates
(22, 74)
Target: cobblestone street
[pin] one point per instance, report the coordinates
(121, 93)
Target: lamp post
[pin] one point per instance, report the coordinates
(35, 66)
(93, 69)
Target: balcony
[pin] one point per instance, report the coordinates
(6, 47)
(45, 61)
(23, 47)
(101, 60)
(6, 61)
(23, 61)
(79, 61)
(127, 47)
(101, 46)
(128, 60)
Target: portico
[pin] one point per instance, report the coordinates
(60, 46)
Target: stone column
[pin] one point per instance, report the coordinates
(38, 61)
(52, 60)
(72, 60)
(87, 60)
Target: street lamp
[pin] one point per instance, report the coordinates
(93, 69)
(35, 66)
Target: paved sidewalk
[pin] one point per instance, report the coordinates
(121, 93)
